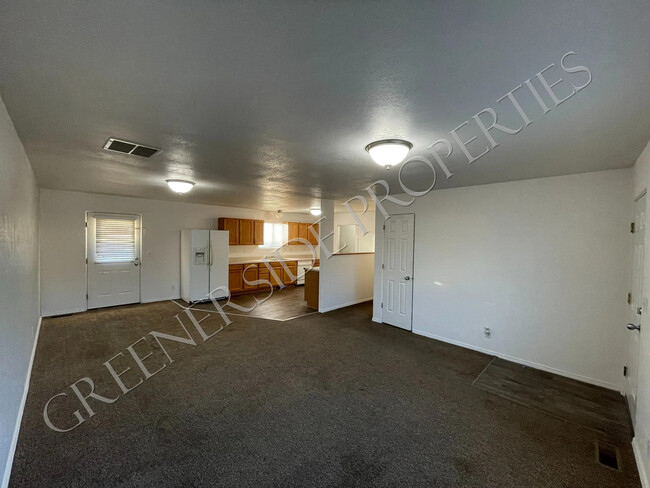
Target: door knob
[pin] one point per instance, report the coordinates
(634, 327)
(136, 262)
(406, 278)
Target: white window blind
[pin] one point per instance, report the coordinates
(114, 240)
(275, 234)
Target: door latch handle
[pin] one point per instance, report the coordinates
(406, 278)
(634, 327)
(136, 262)
(639, 310)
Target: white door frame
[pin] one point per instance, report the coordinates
(637, 308)
(383, 257)
(140, 237)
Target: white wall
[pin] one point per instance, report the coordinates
(344, 279)
(543, 263)
(346, 218)
(19, 295)
(63, 269)
(642, 421)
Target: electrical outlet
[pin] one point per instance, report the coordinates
(487, 332)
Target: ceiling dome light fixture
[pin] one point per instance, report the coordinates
(180, 186)
(314, 210)
(389, 152)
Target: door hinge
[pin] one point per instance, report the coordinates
(629, 298)
(381, 305)
(624, 370)
(86, 296)
(632, 227)
(86, 260)
(384, 227)
(382, 266)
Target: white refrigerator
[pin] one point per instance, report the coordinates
(204, 264)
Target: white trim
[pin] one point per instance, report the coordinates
(64, 312)
(543, 367)
(154, 300)
(638, 456)
(343, 305)
(21, 410)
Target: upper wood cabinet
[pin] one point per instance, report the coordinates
(246, 232)
(258, 232)
(232, 226)
(303, 231)
(311, 238)
(294, 233)
(243, 231)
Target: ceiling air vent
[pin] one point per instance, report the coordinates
(125, 147)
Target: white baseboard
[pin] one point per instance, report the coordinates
(543, 367)
(21, 410)
(64, 312)
(343, 305)
(640, 463)
(154, 300)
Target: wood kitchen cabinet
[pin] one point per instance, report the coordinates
(251, 275)
(232, 226)
(277, 269)
(246, 232)
(294, 233)
(236, 278)
(303, 231)
(311, 238)
(258, 232)
(263, 274)
(286, 277)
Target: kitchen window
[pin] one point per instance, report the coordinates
(275, 235)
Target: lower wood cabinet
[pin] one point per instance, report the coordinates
(286, 277)
(250, 275)
(236, 278)
(259, 272)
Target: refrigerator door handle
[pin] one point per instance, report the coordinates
(211, 255)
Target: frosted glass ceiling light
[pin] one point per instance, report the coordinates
(314, 210)
(389, 152)
(180, 186)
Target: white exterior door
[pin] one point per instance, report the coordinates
(397, 271)
(113, 257)
(638, 304)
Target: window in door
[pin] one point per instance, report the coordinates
(115, 240)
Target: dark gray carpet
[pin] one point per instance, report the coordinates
(323, 400)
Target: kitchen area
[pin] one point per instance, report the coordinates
(263, 258)
(270, 264)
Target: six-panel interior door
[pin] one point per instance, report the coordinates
(398, 271)
(637, 305)
(113, 254)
